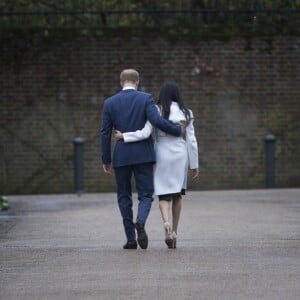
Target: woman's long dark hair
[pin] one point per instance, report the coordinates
(170, 92)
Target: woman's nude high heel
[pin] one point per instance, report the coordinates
(167, 228)
(174, 238)
(168, 235)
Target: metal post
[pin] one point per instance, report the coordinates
(78, 165)
(270, 160)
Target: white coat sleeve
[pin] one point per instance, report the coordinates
(192, 145)
(138, 135)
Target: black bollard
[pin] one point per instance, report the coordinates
(78, 165)
(270, 160)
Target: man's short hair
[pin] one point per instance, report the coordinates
(130, 75)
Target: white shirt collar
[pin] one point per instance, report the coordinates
(128, 87)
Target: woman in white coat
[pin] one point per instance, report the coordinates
(174, 156)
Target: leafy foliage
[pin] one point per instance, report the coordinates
(188, 17)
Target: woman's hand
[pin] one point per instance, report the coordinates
(118, 135)
(194, 173)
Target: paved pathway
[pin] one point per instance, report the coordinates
(232, 245)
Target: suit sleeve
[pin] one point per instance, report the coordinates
(138, 135)
(192, 145)
(106, 131)
(158, 121)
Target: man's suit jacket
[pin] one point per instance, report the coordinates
(129, 110)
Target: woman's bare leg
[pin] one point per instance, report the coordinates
(176, 210)
(164, 207)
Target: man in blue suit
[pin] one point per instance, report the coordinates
(129, 110)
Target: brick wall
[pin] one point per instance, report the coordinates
(238, 91)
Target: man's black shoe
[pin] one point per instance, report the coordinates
(130, 245)
(142, 235)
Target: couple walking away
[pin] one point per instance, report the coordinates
(159, 169)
